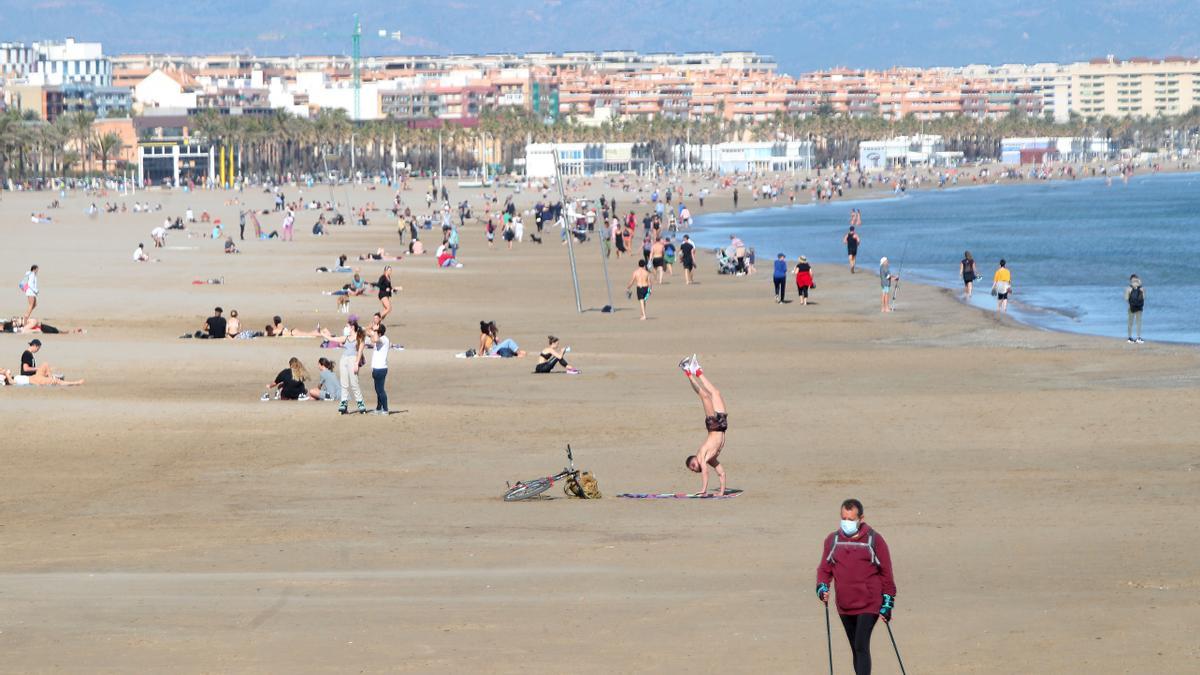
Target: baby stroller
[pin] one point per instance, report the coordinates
(726, 264)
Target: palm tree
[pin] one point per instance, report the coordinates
(108, 145)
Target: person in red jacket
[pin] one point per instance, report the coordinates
(856, 561)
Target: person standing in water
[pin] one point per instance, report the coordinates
(1002, 286)
(966, 268)
(851, 240)
(1135, 297)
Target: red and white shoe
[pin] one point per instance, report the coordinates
(694, 367)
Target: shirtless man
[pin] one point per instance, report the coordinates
(641, 279)
(715, 421)
(657, 257)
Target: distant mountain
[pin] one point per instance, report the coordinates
(800, 34)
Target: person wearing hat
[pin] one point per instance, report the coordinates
(885, 284)
(780, 277)
(804, 279)
(214, 326)
(43, 375)
(28, 363)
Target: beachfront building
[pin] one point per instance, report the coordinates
(901, 151)
(1138, 87)
(738, 157)
(1044, 150)
(586, 159)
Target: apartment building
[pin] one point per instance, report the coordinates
(1136, 87)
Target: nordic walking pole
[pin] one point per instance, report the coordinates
(828, 637)
(893, 637)
(896, 287)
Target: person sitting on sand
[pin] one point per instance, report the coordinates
(214, 327)
(415, 247)
(339, 267)
(139, 254)
(716, 422)
(42, 375)
(445, 257)
(490, 344)
(552, 356)
(234, 325)
(231, 247)
(329, 389)
(290, 382)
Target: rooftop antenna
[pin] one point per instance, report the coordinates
(357, 73)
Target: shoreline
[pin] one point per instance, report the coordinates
(1025, 317)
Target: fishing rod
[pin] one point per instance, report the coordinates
(896, 286)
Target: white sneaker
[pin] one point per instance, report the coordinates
(265, 397)
(1140, 341)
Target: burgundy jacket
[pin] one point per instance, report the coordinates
(858, 581)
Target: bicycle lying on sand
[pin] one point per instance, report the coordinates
(531, 488)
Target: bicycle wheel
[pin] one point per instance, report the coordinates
(532, 488)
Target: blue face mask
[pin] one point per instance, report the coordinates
(849, 527)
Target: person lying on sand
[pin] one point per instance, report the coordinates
(32, 325)
(380, 254)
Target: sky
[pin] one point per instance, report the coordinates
(802, 35)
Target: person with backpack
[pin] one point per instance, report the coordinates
(29, 286)
(1135, 296)
(856, 561)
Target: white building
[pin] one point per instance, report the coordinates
(57, 63)
(1052, 81)
(737, 157)
(16, 60)
(585, 159)
(160, 90)
(1044, 149)
(923, 149)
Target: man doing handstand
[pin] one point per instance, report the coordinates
(716, 422)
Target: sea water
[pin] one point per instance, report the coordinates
(1071, 246)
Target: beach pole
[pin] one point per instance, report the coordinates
(569, 229)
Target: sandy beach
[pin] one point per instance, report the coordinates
(163, 517)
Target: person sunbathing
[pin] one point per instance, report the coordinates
(380, 254)
(277, 329)
(32, 325)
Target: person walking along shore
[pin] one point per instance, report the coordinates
(1135, 297)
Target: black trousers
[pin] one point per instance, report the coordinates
(780, 287)
(858, 630)
(549, 365)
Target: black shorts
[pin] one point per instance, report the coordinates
(689, 264)
(718, 422)
(643, 292)
(852, 251)
(968, 278)
(658, 262)
(1002, 296)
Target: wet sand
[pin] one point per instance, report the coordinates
(1030, 484)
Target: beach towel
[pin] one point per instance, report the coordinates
(729, 494)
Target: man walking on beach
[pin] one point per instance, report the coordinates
(1135, 296)
(855, 559)
(851, 240)
(242, 225)
(687, 253)
(885, 284)
(641, 280)
(780, 277)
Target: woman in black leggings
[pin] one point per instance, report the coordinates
(552, 356)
